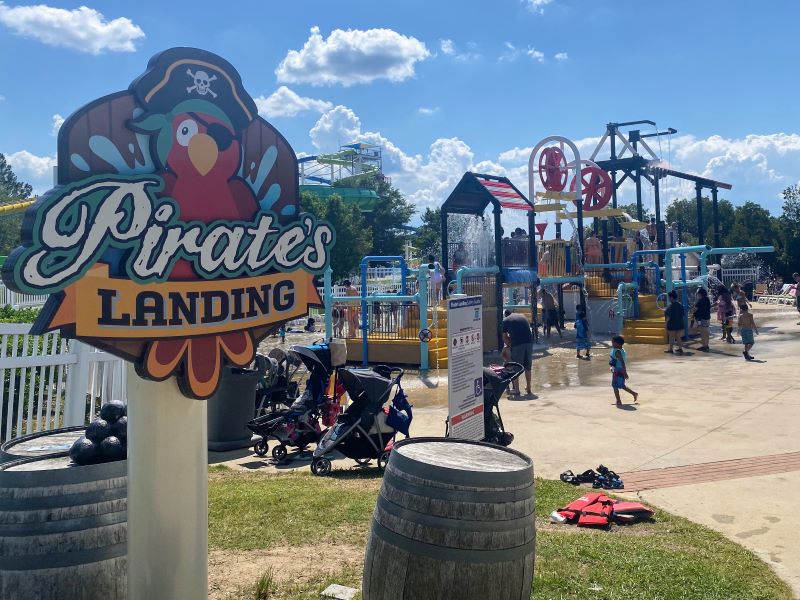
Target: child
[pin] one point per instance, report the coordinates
(725, 313)
(747, 325)
(282, 333)
(702, 316)
(619, 369)
(582, 341)
(674, 316)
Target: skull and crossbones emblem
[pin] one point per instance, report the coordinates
(202, 82)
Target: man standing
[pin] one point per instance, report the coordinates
(517, 334)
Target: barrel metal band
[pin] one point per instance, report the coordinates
(67, 500)
(460, 495)
(58, 561)
(446, 553)
(453, 524)
(57, 476)
(63, 526)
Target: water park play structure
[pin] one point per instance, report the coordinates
(619, 269)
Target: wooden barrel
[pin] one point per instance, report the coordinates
(454, 520)
(55, 442)
(63, 529)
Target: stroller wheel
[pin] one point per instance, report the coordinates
(279, 452)
(321, 466)
(363, 462)
(383, 459)
(261, 448)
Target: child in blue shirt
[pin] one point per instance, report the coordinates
(582, 340)
(619, 369)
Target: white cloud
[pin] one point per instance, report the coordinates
(352, 56)
(535, 54)
(33, 169)
(561, 56)
(447, 46)
(83, 28)
(58, 121)
(338, 126)
(284, 102)
(428, 111)
(758, 166)
(512, 53)
(536, 6)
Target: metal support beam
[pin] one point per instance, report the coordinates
(660, 243)
(698, 188)
(715, 217)
(498, 251)
(534, 266)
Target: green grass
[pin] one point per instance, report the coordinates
(670, 558)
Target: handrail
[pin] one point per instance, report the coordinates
(620, 317)
(741, 250)
(466, 271)
(421, 298)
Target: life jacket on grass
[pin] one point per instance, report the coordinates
(598, 510)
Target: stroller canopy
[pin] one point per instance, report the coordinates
(315, 356)
(367, 389)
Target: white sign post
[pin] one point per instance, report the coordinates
(465, 367)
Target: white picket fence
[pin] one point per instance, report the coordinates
(16, 300)
(50, 382)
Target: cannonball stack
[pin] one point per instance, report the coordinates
(106, 437)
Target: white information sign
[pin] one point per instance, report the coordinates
(465, 367)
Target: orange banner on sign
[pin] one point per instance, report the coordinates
(105, 307)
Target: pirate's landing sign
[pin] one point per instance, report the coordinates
(173, 237)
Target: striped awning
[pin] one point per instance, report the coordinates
(505, 194)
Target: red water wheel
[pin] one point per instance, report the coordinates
(553, 169)
(595, 188)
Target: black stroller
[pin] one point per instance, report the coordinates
(276, 389)
(365, 431)
(299, 425)
(496, 380)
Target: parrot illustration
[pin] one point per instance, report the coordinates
(200, 154)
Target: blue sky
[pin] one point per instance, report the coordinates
(444, 86)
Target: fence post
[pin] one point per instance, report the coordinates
(77, 382)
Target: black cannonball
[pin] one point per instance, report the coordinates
(112, 410)
(84, 451)
(98, 430)
(120, 428)
(111, 448)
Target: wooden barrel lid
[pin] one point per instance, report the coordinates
(462, 462)
(44, 443)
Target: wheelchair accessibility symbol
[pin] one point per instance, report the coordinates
(478, 386)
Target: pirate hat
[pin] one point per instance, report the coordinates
(178, 75)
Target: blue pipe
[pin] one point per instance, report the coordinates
(422, 295)
(327, 300)
(683, 250)
(620, 316)
(685, 297)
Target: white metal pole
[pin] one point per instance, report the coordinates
(167, 492)
(77, 386)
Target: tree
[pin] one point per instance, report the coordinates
(11, 190)
(684, 212)
(789, 231)
(391, 214)
(352, 233)
(752, 226)
(428, 238)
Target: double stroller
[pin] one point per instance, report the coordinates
(299, 425)
(366, 430)
(496, 380)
